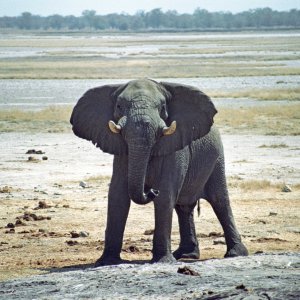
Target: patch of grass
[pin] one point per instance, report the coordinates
(261, 94)
(254, 185)
(51, 113)
(268, 120)
(98, 178)
(50, 119)
(274, 146)
(131, 67)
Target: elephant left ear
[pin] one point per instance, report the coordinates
(193, 112)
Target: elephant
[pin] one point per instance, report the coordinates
(166, 151)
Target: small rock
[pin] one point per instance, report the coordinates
(10, 225)
(33, 217)
(187, 271)
(74, 234)
(132, 249)
(216, 234)
(71, 243)
(11, 230)
(20, 223)
(33, 151)
(242, 287)
(83, 184)
(45, 158)
(84, 234)
(286, 189)
(33, 159)
(149, 232)
(42, 205)
(272, 214)
(219, 242)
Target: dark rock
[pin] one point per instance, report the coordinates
(20, 223)
(149, 232)
(33, 151)
(132, 249)
(74, 234)
(219, 242)
(33, 159)
(187, 271)
(72, 243)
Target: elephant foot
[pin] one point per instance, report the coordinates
(237, 250)
(108, 261)
(163, 259)
(187, 253)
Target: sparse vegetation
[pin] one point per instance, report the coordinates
(274, 146)
(255, 184)
(50, 119)
(275, 120)
(269, 120)
(291, 94)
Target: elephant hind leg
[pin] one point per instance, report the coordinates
(217, 195)
(188, 247)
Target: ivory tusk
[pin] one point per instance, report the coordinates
(114, 127)
(170, 130)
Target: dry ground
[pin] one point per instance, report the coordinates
(268, 220)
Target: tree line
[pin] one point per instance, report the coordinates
(156, 19)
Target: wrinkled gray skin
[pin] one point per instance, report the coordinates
(173, 170)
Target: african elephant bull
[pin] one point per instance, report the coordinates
(166, 151)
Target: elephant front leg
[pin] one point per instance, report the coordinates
(117, 213)
(188, 247)
(162, 234)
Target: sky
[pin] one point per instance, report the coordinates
(76, 7)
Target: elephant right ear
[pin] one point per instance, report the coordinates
(90, 119)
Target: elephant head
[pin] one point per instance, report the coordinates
(141, 119)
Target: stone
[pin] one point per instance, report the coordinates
(286, 189)
(83, 234)
(83, 184)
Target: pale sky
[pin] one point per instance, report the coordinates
(75, 7)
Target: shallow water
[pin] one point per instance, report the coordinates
(38, 94)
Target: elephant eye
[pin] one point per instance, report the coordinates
(163, 112)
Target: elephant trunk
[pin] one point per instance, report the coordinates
(138, 158)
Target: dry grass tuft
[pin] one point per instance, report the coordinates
(274, 146)
(291, 94)
(254, 185)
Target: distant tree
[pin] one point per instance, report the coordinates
(25, 21)
(154, 18)
(157, 19)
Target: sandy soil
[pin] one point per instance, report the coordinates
(49, 221)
